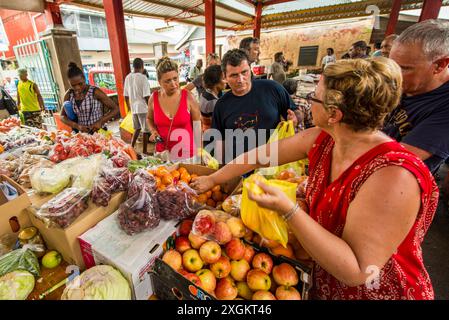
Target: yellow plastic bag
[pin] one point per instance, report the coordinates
(269, 224)
(127, 123)
(285, 129)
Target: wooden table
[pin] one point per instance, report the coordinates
(48, 278)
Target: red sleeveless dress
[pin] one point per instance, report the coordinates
(404, 275)
(180, 143)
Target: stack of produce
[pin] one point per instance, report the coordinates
(7, 124)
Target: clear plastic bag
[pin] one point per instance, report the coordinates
(232, 204)
(8, 242)
(49, 180)
(20, 259)
(139, 213)
(178, 202)
(108, 181)
(63, 209)
(141, 180)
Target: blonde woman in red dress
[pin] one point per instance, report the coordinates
(370, 200)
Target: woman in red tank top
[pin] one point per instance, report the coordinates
(370, 200)
(173, 114)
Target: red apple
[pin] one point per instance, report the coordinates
(191, 260)
(185, 227)
(208, 280)
(237, 227)
(248, 235)
(244, 291)
(286, 252)
(182, 244)
(263, 295)
(194, 278)
(258, 280)
(287, 293)
(173, 259)
(235, 249)
(196, 241)
(204, 223)
(221, 268)
(239, 269)
(222, 233)
(285, 275)
(210, 252)
(263, 261)
(226, 289)
(249, 253)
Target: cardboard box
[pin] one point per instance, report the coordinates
(65, 240)
(171, 285)
(107, 243)
(14, 209)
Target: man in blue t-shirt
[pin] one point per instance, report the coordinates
(246, 116)
(421, 121)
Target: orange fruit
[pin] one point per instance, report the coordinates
(216, 188)
(161, 187)
(175, 174)
(167, 179)
(158, 182)
(152, 172)
(182, 170)
(185, 176)
(217, 196)
(161, 171)
(211, 203)
(202, 198)
(209, 194)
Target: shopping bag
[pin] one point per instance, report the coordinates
(269, 224)
(285, 129)
(127, 123)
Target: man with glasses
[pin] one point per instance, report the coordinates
(421, 121)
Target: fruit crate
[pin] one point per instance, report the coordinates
(171, 285)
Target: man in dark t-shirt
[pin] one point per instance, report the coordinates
(421, 121)
(246, 116)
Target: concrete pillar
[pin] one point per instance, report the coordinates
(63, 48)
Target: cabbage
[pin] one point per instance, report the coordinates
(49, 180)
(86, 170)
(98, 283)
(16, 285)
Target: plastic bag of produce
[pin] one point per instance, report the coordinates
(178, 202)
(269, 224)
(139, 213)
(232, 204)
(63, 209)
(49, 180)
(16, 285)
(141, 180)
(108, 181)
(7, 243)
(218, 226)
(20, 259)
(86, 170)
(98, 283)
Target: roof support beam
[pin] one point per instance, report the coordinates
(234, 10)
(258, 20)
(209, 15)
(53, 14)
(269, 3)
(430, 9)
(394, 16)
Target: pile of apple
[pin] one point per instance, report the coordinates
(232, 270)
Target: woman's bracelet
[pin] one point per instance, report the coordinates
(290, 213)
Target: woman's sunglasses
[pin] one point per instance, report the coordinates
(311, 97)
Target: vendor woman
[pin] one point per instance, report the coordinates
(87, 102)
(370, 200)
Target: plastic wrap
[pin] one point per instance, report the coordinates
(139, 213)
(20, 259)
(141, 180)
(178, 202)
(63, 209)
(49, 180)
(109, 181)
(218, 226)
(232, 204)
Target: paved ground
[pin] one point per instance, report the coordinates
(436, 247)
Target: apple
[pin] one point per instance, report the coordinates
(204, 223)
(248, 235)
(194, 279)
(51, 259)
(222, 233)
(287, 293)
(235, 249)
(286, 252)
(263, 242)
(249, 253)
(263, 295)
(196, 241)
(173, 259)
(221, 268)
(237, 227)
(185, 227)
(182, 244)
(273, 285)
(239, 269)
(263, 261)
(285, 275)
(258, 280)
(244, 291)
(210, 252)
(208, 280)
(191, 260)
(226, 289)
